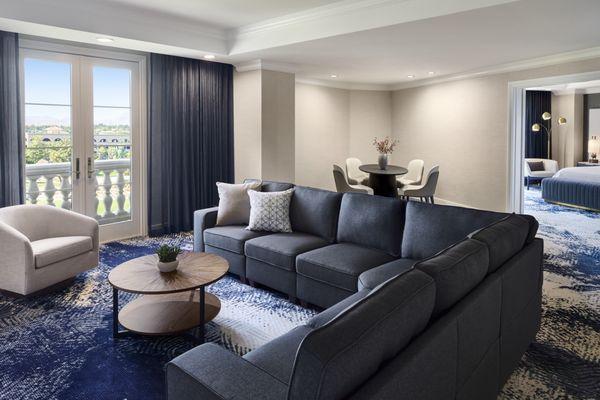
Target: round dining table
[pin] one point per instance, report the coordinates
(383, 181)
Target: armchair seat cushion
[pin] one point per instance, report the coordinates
(52, 250)
(541, 174)
(231, 238)
(340, 264)
(374, 277)
(281, 249)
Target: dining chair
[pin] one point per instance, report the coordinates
(343, 186)
(414, 174)
(426, 190)
(354, 174)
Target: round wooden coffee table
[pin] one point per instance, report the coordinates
(171, 302)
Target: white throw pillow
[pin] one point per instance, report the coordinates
(270, 211)
(234, 203)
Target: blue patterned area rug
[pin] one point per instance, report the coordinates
(564, 361)
(60, 346)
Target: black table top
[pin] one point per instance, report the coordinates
(390, 170)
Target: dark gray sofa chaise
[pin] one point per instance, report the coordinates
(447, 312)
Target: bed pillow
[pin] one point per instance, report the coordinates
(536, 166)
(270, 211)
(234, 203)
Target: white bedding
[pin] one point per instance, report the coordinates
(579, 174)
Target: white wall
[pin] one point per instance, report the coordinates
(334, 124)
(322, 133)
(278, 114)
(247, 125)
(463, 126)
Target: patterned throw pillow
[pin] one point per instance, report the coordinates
(270, 211)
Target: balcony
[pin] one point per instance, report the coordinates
(51, 184)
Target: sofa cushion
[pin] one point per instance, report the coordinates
(277, 356)
(431, 228)
(315, 211)
(52, 250)
(376, 276)
(340, 264)
(281, 249)
(231, 238)
(330, 313)
(456, 271)
(271, 186)
(503, 239)
(372, 221)
(336, 358)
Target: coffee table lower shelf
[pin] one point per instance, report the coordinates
(167, 314)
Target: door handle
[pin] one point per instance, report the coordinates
(90, 171)
(77, 170)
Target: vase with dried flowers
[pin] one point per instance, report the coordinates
(384, 147)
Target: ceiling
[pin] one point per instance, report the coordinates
(370, 43)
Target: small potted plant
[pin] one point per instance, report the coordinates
(384, 147)
(167, 258)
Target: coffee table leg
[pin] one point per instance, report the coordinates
(202, 314)
(115, 312)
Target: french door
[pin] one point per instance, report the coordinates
(82, 129)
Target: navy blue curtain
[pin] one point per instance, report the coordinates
(190, 138)
(11, 150)
(536, 103)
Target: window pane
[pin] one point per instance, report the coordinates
(47, 82)
(47, 124)
(111, 87)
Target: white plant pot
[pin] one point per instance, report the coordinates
(168, 266)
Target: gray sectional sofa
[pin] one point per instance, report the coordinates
(422, 302)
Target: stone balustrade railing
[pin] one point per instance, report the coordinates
(52, 184)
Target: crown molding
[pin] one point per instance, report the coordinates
(328, 10)
(540, 62)
(254, 65)
(344, 85)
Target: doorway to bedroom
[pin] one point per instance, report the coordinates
(555, 144)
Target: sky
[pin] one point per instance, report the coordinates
(49, 82)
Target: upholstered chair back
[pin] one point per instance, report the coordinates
(355, 175)
(415, 171)
(430, 183)
(341, 183)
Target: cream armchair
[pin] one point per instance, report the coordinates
(550, 168)
(41, 246)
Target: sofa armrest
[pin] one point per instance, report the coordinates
(16, 263)
(209, 372)
(203, 219)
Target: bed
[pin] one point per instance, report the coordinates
(577, 187)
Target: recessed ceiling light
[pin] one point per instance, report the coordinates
(410, 76)
(431, 73)
(209, 56)
(333, 76)
(105, 40)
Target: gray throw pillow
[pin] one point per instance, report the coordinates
(234, 203)
(270, 211)
(536, 166)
